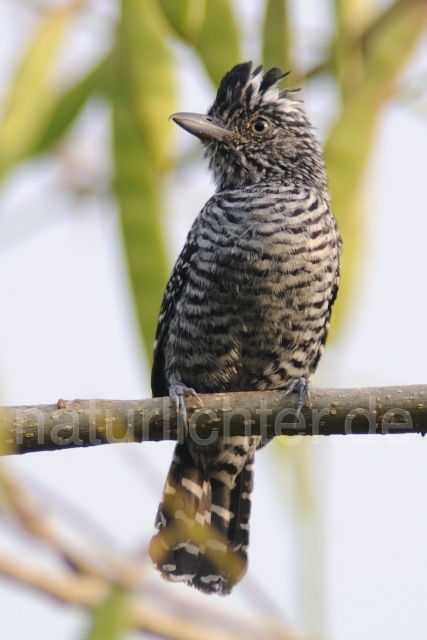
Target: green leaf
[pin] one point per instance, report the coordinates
(110, 621)
(210, 27)
(142, 91)
(277, 36)
(186, 17)
(145, 72)
(219, 41)
(137, 192)
(69, 105)
(33, 94)
(346, 48)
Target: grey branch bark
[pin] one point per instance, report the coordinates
(82, 423)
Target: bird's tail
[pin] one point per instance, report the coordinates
(203, 526)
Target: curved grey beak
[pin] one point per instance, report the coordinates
(202, 127)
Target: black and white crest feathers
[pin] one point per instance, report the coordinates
(243, 88)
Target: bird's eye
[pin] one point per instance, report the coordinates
(260, 125)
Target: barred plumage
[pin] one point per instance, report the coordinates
(247, 307)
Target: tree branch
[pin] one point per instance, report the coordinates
(82, 423)
(90, 593)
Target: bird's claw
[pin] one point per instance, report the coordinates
(302, 386)
(177, 393)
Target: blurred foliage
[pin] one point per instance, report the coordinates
(110, 620)
(142, 91)
(367, 67)
(277, 36)
(202, 24)
(32, 96)
(138, 75)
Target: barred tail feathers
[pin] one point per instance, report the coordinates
(203, 527)
(180, 516)
(225, 564)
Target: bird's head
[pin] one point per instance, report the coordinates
(255, 132)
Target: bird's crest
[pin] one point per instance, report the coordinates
(246, 88)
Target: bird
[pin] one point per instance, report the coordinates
(247, 308)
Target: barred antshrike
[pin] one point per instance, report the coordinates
(247, 308)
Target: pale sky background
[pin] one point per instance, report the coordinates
(67, 330)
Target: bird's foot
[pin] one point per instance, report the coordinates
(302, 386)
(178, 391)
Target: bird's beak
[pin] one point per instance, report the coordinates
(202, 127)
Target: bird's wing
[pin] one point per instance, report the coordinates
(173, 292)
(332, 298)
